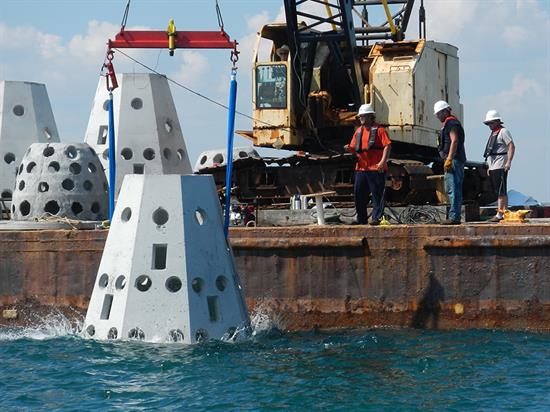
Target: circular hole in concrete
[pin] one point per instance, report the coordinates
(136, 103)
(21, 185)
(218, 159)
(173, 284)
(21, 168)
(25, 208)
(120, 282)
(105, 154)
(30, 166)
(67, 184)
(90, 330)
(92, 168)
(126, 214)
(47, 133)
(197, 285)
(48, 151)
(9, 158)
(6, 194)
(71, 152)
(181, 154)
(77, 208)
(148, 154)
(112, 334)
(167, 153)
(126, 153)
(18, 110)
(221, 283)
(52, 207)
(75, 168)
(175, 335)
(95, 207)
(87, 185)
(106, 105)
(43, 187)
(204, 159)
(200, 216)
(136, 333)
(201, 335)
(143, 283)
(103, 281)
(168, 126)
(53, 167)
(242, 154)
(160, 216)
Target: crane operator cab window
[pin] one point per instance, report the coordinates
(271, 86)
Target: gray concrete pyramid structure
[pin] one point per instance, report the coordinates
(60, 179)
(148, 136)
(26, 117)
(167, 271)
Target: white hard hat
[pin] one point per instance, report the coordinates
(440, 105)
(365, 109)
(491, 116)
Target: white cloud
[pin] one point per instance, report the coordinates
(517, 97)
(481, 23)
(256, 21)
(515, 36)
(194, 66)
(92, 45)
(30, 40)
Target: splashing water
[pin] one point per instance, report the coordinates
(264, 320)
(52, 325)
(55, 324)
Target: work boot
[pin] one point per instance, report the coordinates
(496, 219)
(450, 222)
(374, 222)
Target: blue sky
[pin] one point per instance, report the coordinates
(504, 50)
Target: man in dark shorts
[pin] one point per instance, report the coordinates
(499, 153)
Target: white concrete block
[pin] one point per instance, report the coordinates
(61, 179)
(167, 272)
(148, 136)
(26, 117)
(218, 158)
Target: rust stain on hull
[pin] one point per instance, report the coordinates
(481, 276)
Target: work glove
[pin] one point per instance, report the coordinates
(448, 166)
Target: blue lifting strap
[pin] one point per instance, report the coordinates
(229, 160)
(112, 161)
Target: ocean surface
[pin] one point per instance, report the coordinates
(50, 367)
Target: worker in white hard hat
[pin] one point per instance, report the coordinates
(371, 144)
(499, 153)
(283, 52)
(451, 150)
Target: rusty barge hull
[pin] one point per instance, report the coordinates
(425, 276)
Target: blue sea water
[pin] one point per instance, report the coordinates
(51, 368)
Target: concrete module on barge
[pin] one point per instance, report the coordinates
(425, 276)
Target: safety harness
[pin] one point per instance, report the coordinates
(491, 145)
(372, 140)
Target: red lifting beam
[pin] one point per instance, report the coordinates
(183, 40)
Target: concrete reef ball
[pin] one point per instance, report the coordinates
(65, 180)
